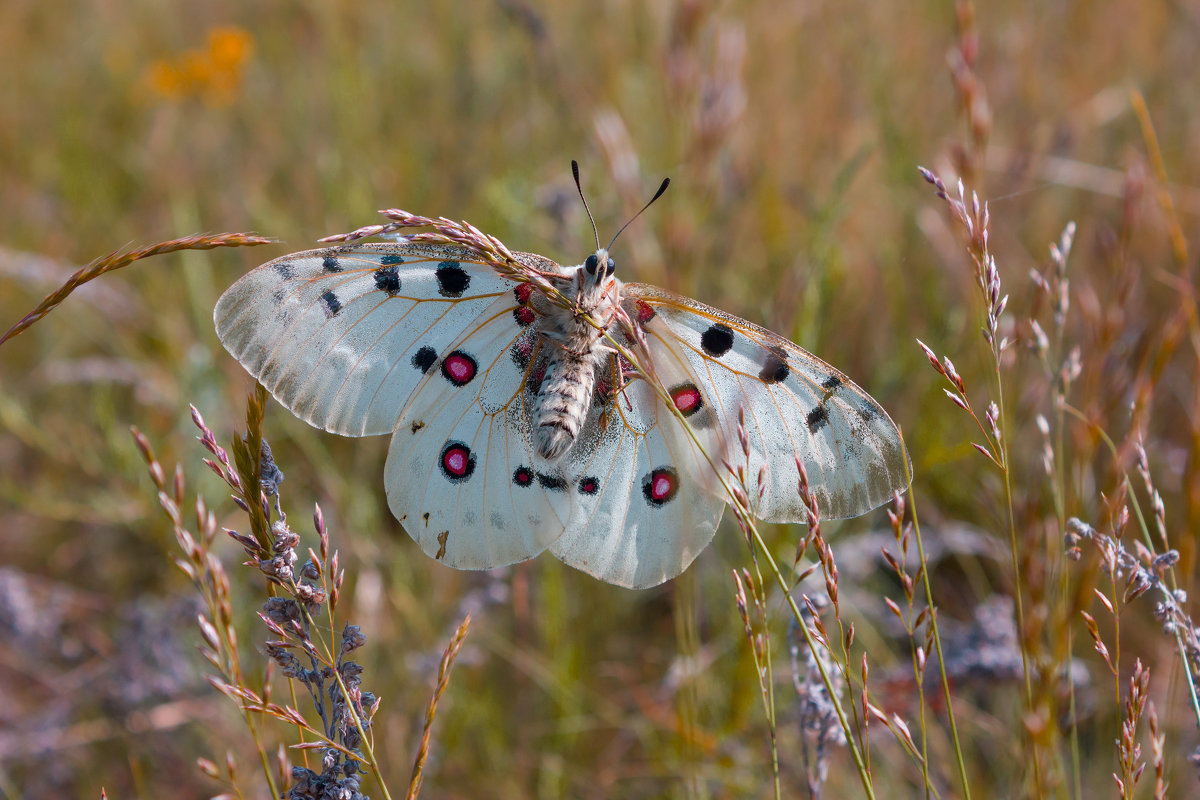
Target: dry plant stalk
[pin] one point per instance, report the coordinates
(300, 616)
(117, 259)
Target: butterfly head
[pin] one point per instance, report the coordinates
(598, 267)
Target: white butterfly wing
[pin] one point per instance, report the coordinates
(645, 498)
(416, 339)
(796, 406)
(333, 334)
(461, 473)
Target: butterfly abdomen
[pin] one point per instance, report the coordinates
(562, 403)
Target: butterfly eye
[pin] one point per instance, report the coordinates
(612, 266)
(591, 264)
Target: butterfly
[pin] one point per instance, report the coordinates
(530, 404)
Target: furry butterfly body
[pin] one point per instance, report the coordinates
(517, 424)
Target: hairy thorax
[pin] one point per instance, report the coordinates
(577, 350)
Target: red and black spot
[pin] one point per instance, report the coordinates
(424, 358)
(387, 279)
(687, 399)
(459, 368)
(452, 279)
(644, 312)
(552, 482)
(522, 351)
(534, 384)
(331, 304)
(602, 393)
(717, 340)
(660, 486)
(589, 485)
(524, 315)
(456, 461)
(330, 264)
(523, 476)
(817, 418)
(775, 368)
(626, 367)
(523, 293)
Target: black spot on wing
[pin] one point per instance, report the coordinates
(330, 264)
(452, 279)
(831, 383)
(817, 418)
(391, 260)
(285, 270)
(774, 369)
(552, 482)
(332, 305)
(424, 358)
(387, 280)
(717, 340)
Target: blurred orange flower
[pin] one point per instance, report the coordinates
(213, 74)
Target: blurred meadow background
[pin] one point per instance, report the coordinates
(792, 132)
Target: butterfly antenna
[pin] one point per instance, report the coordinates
(666, 182)
(575, 172)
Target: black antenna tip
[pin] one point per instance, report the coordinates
(579, 188)
(662, 188)
(666, 182)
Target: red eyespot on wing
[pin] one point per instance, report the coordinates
(456, 461)
(523, 292)
(524, 315)
(686, 398)
(644, 312)
(459, 368)
(660, 486)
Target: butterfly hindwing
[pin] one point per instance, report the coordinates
(340, 336)
(461, 474)
(794, 404)
(645, 503)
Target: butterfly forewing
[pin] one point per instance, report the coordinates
(794, 406)
(334, 334)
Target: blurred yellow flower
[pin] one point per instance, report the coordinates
(213, 74)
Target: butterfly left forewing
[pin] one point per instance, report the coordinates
(793, 405)
(340, 335)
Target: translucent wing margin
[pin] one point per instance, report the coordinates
(795, 405)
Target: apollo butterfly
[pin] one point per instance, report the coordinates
(517, 425)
